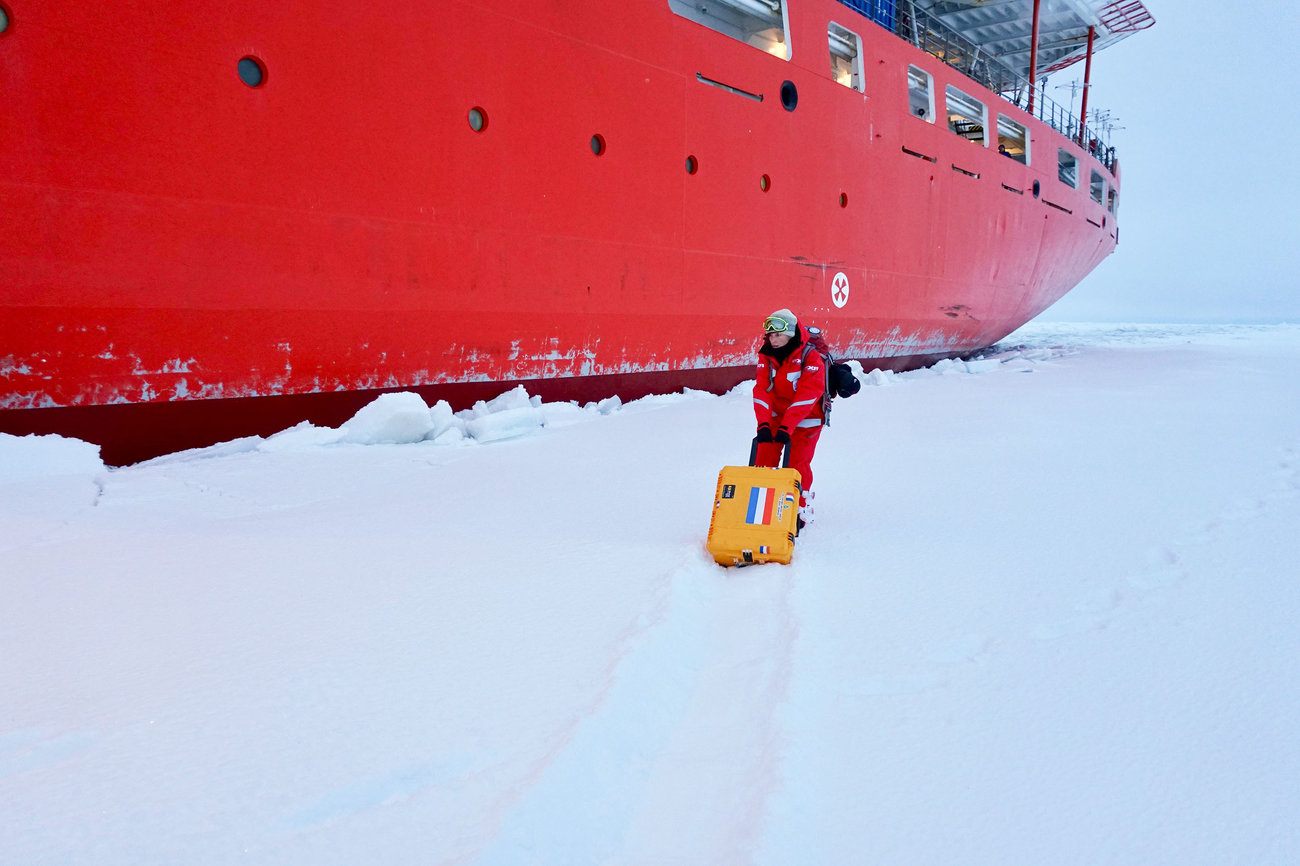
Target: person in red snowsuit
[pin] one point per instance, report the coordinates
(788, 396)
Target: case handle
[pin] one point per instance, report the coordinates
(785, 453)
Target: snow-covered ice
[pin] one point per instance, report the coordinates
(1047, 614)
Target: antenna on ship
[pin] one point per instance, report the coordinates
(1075, 86)
(1105, 121)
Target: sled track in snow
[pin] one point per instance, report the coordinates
(655, 772)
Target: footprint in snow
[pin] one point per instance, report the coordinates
(1092, 614)
(1200, 533)
(1244, 509)
(1164, 570)
(1099, 602)
(967, 648)
(1288, 477)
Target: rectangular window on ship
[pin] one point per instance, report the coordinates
(846, 56)
(1067, 167)
(1112, 200)
(1012, 140)
(967, 116)
(1097, 187)
(761, 23)
(920, 93)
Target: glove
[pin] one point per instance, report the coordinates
(764, 433)
(782, 437)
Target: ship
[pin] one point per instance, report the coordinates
(219, 219)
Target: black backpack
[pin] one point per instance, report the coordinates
(840, 380)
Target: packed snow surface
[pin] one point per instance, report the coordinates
(1047, 614)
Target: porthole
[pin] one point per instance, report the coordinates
(477, 119)
(692, 165)
(789, 95)
(844, 199)
(4, 19)
(598, 145)
(252, 72)
(765, 183)
(1037, 188)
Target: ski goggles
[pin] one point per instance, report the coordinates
(774, 325)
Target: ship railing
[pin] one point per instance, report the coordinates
(943, 43)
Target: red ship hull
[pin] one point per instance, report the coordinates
(185, 258)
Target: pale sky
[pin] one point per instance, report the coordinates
(1210, 210)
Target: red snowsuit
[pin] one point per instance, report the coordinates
(788, 395)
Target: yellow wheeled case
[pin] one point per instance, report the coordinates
(755, 514)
